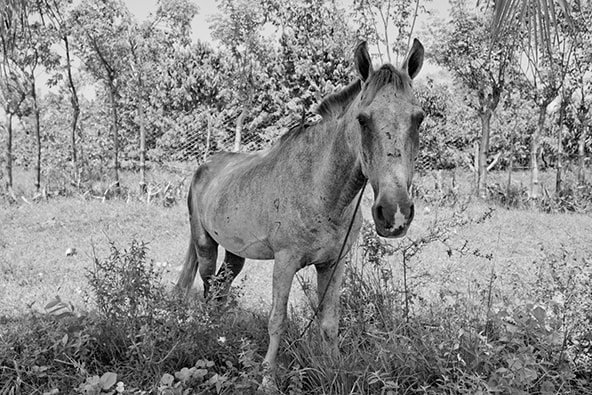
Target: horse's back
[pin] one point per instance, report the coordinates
(214, 167)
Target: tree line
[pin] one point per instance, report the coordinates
(510, 95)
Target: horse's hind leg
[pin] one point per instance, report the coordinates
(207, 252)
(230, 269)
(232, 266)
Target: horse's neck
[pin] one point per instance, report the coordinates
(340, 175)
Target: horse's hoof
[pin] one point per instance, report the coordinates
(268, 385)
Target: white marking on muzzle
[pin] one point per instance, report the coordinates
(400, 218)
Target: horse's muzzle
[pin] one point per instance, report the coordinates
(392, 218)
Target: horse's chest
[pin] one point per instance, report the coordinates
(318, 237)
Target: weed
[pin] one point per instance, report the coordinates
(573, 197)
(393, 341)
(139, 336)
(395, 338)
(514, 196)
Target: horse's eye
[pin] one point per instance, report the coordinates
(364, 120)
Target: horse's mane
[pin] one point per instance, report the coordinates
(336, 104)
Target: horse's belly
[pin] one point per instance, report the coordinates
(253, 250)
(244, 244)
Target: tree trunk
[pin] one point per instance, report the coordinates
(509, 183)
(9, 153)
(74, 126)
(582, 145)
(483, 148)
(534, 152)
(559, 164)
(510, 167)
(115, 131)
(208, 137)
(142, 135)
(239, 129)
(75, 108)
(582, 156)
(37, 138)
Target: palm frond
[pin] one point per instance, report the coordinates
(536, 19)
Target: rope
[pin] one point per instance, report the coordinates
(339, 256)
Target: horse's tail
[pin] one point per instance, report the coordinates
(189, 269)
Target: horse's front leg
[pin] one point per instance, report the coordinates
(285, 266)
(329, 279)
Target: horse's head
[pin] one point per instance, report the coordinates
(388, 121)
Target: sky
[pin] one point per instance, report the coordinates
(200, 27)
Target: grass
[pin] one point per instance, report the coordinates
(443, 310)
(35, 239)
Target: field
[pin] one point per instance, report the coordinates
(465, 265)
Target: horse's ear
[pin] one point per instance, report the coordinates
(363, 61)
(414, 60)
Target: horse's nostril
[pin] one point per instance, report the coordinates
(379, 214)
(411, 212)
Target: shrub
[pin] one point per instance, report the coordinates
(573, 197)
(393, 341)
(140, 338)
(515, 196)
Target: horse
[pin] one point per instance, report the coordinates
(295, 201)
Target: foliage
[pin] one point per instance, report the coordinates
(272, 62)
(514, 122)
(481, 65)
(575, 197)
(389, 24)
(102, 28)
(125, 285)
(395, 340)
(467, 50)
(447, 135)
(139, 336)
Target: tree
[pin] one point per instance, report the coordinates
(546, 72)
(516, 119)
(102, 28)
(183, 95)
(580, 78)
(377, 18)
(25, 46)
(147, 44)
(446, 132)
(13, 89)
(57, 12)
(482, 66)
(238, 28)
(38, 40)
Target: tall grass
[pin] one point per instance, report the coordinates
(141, 337)
(394, 341)
(402, 329)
